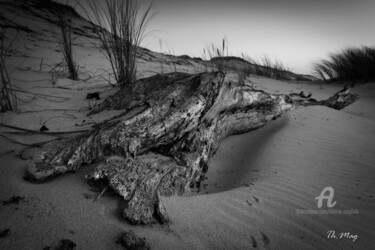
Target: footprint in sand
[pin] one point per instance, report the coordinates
(265, 238)
(29, 206)
(256, 198)
(4, 233)
(255, 245)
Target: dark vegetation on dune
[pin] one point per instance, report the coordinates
(353, 65)
(245, 65)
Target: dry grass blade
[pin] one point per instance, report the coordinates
(217, 56)
(101, 193)
(66, 43)
(8, 100)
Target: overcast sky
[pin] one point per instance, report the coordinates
(296, 32)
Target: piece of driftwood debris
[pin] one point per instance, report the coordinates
(129, 240)
(15, 200)
(94, 95)
(170, 127)
(66, 244)
(43, 128)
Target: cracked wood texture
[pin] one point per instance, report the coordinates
(163, 140)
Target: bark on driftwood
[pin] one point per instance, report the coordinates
(161, 144)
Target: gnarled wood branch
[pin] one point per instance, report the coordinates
(161, 144)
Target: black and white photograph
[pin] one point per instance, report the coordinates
(187, 124)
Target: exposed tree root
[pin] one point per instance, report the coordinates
(161, 144)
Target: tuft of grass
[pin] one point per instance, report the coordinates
(265, 66)
(66, 42)
(349, 65)
(280, 71)
(216, 55)
(8, 100)
(119, 25)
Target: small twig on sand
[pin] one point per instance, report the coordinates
(37, 144)
(43, 95)
(84, 124)
(101, 193)
(46, 110)
(17, 142)
(7, 152)
(41, 64)
(44, 133)
(60, 116)
(53, 68)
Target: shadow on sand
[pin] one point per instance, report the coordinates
(236, 163)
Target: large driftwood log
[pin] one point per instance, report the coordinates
(161, 144)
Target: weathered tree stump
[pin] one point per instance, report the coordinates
(161, 144)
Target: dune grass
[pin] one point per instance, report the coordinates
(267, 67)
(349, 65)
(119, 25)
(66, 42)
(215, 54)
(8, 100)
(221, 61)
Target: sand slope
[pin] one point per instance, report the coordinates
(256, 182)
